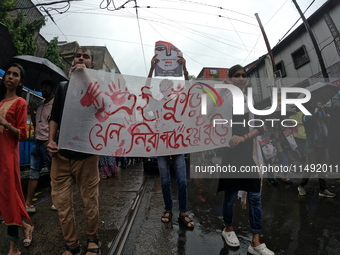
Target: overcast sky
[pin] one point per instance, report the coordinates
(217, 33)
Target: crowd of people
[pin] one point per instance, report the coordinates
(68, 168)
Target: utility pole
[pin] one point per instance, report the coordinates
(271, 56)
(315, 44)
(267, 42)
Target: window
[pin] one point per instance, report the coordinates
(300, 57)
(213, 71)
(280, 69)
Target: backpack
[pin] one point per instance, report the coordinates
(320, 132)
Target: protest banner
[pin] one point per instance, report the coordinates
(112, 114)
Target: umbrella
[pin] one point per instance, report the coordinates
(277, 113)
(39, 69)
(321, 92)
(8, 50)
(335, 101)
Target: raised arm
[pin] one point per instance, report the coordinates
(154, 61)
(182, 62)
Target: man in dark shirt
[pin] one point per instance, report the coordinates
(316, 152)
(70, 168)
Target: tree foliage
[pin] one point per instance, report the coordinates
(22, 32)
(5, 6)
(216, 75)
(52, 53)
(192, 77)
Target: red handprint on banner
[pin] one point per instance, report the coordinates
(91, 95)
(116, 94)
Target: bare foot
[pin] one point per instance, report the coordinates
(13, 249)
(14, 253)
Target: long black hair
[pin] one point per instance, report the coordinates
(19, 88)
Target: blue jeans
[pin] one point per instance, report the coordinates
(39, 155)
(181, 177)
(255, 210)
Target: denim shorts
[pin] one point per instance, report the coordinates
(39, 159)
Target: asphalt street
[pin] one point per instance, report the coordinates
(292, 224)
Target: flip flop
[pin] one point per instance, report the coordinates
(28, 241)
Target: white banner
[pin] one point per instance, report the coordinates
(111, 114)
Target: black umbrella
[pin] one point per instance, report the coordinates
(39, 69)
(8, 50)
(321, 92)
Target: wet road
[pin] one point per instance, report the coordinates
(291, 224)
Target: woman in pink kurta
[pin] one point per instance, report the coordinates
(13, 113)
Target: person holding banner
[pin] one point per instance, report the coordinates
(70, 168)
(180, 170)
(244, 151)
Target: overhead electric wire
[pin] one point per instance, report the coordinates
(177, 9)
(276, 12)
(177, 32)
(214, 6)
(45, 4)
(140, 36)
(42, 8)
(295, 23)
(186, 26)
(115, 8)
(238, 34)
(205, 35)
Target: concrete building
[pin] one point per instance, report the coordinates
(32, 13)
(295, 56)
(103, 60)
(216, 73)
(103, 57)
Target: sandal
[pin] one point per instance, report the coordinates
(93, 250)
(181, 218)
(164, 216)
(74, 251)
(28, 240)
(231, 238)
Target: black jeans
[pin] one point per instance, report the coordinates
(13, 233)
(315, 156)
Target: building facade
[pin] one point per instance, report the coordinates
(216, 73)
(296, 59)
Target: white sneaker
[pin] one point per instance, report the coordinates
(30, 209)
(326, 193)
(302, 191)
(260, 250)
(231, 238)
(53, 208)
